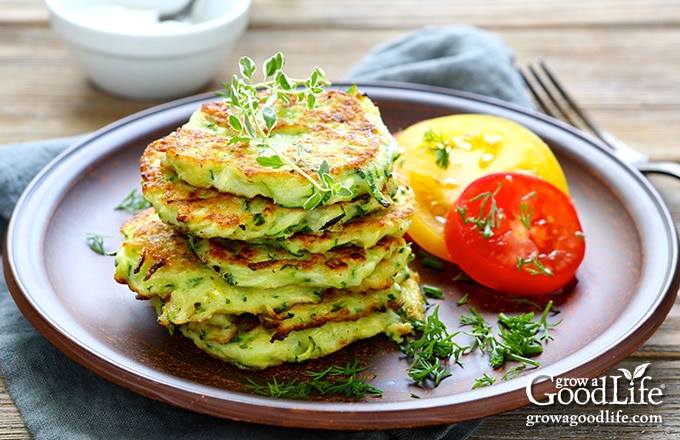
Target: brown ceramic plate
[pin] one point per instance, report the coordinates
(626, 286)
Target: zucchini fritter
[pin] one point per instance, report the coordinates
(255, 349)
(248, 343)
(253, 265)
(206, 212)
(344, 129)
(155, 261)
(253, 327)
(362, 231)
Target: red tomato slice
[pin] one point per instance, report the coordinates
(515, 233)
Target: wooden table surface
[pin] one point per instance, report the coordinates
(620, 58)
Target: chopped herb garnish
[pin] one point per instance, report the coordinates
(439, 145)
(526, 211)
(463, 300)
(334, 380)
(433, 291)
(514, 372)
(133, 203)
(533, 265)
(96, 243)
(486, 220)
(433, 345)
(535, 305)
(545, 336)
(481, 331)
(519, 338)
(462, 276)
(430, 261)
(484, 381)
(425, 367)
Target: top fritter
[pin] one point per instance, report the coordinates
(344, 130)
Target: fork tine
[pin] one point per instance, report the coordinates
(553, 109)
(537, 98)
(569, 100)
(573, 108)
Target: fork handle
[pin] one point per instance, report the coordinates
(668, 168)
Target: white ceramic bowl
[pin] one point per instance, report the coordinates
(128, 53)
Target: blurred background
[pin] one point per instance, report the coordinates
(627, 46)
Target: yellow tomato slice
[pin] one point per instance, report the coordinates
(444, 155)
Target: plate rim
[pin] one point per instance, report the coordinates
(392, 413)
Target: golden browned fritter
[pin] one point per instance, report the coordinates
(344, 129)
(206, 212)
(252, 265)
(253, 327)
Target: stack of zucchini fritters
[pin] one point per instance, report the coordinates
(230, 257)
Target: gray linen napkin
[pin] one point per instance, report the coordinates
(59, 399)
(459, 57)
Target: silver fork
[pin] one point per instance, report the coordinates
(553, 100)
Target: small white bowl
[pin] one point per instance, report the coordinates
(127, 52)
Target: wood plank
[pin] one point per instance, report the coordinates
(25, 12)
(404, 14)
(651, 103)
(11, 425)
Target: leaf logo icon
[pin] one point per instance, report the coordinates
(627, 374)
(640, 371)
(637, 373)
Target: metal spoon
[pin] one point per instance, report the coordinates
(164, 7)
(182, 15)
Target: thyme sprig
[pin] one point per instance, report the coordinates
(334, 380)
(253, 118)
